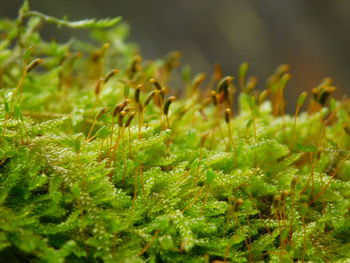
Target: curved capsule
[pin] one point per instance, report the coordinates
(129, 120)
(34, 64)
(149, 97)
(167, 104)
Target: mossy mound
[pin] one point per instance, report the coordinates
(100, 162)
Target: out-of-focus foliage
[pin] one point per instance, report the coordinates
(98, 162)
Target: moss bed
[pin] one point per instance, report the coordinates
(107, 157)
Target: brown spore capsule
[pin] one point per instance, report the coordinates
(137, 94)
(156, 84)
(239, 202)
(110, 75)
(228, 113)
(130, 118)
(224, 83)
(149, 97)
(120, 107)
(121, 118)
(223, 86)
(34, 64)
(263, 96)
(98, 86)
(168, 103)
(214, 97)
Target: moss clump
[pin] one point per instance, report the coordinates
(100, 162)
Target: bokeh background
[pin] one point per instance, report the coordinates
(312, 36)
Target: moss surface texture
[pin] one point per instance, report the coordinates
(107, 157)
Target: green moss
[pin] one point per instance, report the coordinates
(98, 164)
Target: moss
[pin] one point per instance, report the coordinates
(99, 161)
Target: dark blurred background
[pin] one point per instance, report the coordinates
(312, 36)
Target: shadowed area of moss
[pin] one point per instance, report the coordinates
(102, 159)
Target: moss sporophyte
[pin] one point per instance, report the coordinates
(100, 162)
